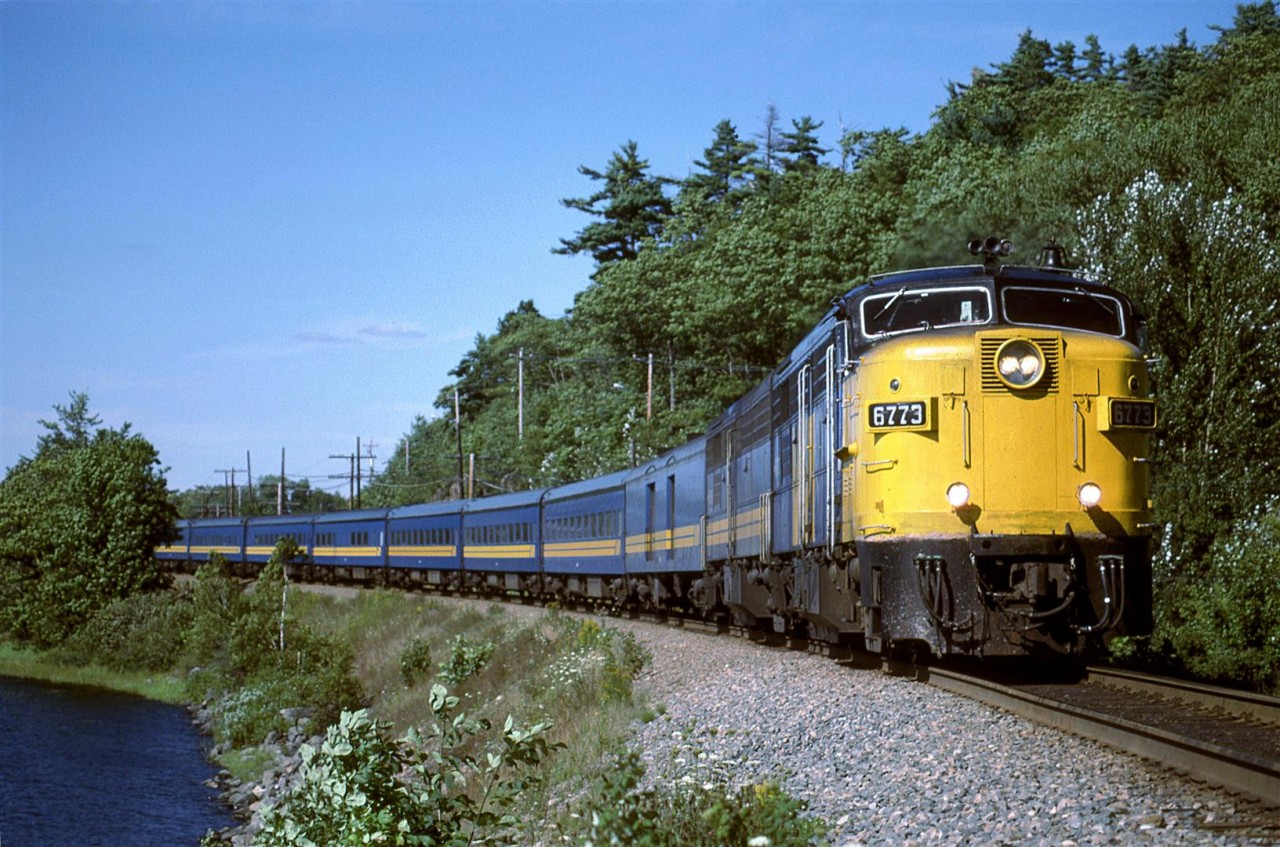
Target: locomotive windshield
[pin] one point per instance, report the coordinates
(911, 310)
(1075, 308)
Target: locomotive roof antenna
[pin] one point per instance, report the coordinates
(992, 249)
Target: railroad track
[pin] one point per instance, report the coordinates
(1224, 737)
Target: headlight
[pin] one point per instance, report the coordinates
(958, 495)
(1089, 495)
(1019, 363)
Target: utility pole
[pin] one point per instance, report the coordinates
(649, 406)
(280, 486)
(457, 425)
(351, 474)
(229, 483)
(520, 394)
(248, 473)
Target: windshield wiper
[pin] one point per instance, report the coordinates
(889, 305)
(1101, 301)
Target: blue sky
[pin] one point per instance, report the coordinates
(249, 226)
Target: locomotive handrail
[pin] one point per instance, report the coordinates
(966, 449)
(1075, 432)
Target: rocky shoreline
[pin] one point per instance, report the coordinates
(248, 799)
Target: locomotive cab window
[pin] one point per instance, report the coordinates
(905, 310)
(1075, 308)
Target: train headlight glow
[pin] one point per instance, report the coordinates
(1019, 363)
(1089, 495)
(958, 495)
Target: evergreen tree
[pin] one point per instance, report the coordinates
(801, 145)
(631, 205)
(1063, 62)
(772, 139)
(1029, 67)
(729, 164)
(1096, 62)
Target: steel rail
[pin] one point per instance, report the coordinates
(1235, 770)
(1242, 704)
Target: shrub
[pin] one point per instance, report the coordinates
(360, 787)
(217, 601)
(466, 659)
(142, 632)
(692, 814)
(415, 661)
(1224, 622)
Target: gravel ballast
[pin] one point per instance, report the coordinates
(886, 760)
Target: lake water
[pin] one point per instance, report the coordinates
(80, 766)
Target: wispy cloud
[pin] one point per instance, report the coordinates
(327, 339)
(379, 333)
(392, 329)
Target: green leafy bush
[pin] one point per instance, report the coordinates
(466, 659)
(415, 661)
(1223, 621)
(217, 601)
(141, 632)
(360, 787)
(259, 659)
(693, 814)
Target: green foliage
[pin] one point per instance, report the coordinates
(141, 632)
(631, 204)
(217, 602)
(1208, 275)
(259, 659)
(415, 661)
(79, 524)
(360, 787)
(1224, 623)
(693, 814)
(466, 659)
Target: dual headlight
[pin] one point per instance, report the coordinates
(1089, 495)
(1019, 363)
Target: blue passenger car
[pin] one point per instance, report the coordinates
(217, 535)
(265, 532)
(501, 535)
(739, 478)
(350, 543)
(426, 541)
(583, 534)
(178, 551)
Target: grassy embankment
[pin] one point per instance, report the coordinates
(501, 662)
(542, 668)
(24, 663)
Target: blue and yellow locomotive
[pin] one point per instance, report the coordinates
(952, 462)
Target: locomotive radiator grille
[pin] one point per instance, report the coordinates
(1049, 345)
